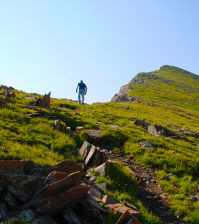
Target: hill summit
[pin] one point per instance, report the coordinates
(168, 84)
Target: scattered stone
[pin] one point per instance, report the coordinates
(121, 209)
(191, 134)
(108, 200)
(158, 130)
(102, 187)
(141, 123)
(79, 128)
(92, 179)
(101, 169)
(93, 133)
(195, 198)
(146, 144)
(115, 126)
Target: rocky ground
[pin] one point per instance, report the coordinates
(151, 195)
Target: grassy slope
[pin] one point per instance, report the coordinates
(171, 103)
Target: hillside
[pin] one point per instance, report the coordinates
(157, 128)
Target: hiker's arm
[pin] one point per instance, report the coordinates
(85, 89)
(77, 88)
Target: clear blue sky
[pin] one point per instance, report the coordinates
(50, 45)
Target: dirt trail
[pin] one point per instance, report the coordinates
(150, 194)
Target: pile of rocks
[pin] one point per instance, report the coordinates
(37, 194)
(57, 194)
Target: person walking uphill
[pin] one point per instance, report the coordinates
(82, 90)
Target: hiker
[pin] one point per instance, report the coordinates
(82, 90)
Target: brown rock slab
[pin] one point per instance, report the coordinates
(66, 166)
(57, 203)
(50, 191)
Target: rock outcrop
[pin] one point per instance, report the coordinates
(44, 102)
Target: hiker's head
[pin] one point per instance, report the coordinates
(81, 81)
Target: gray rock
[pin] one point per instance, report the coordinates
(109, 200)
(115, 126)
(146, 144)
(85, 149)
(101, 169)
(141, 123)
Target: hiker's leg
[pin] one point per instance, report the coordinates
(82, 98)
(79, 98)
